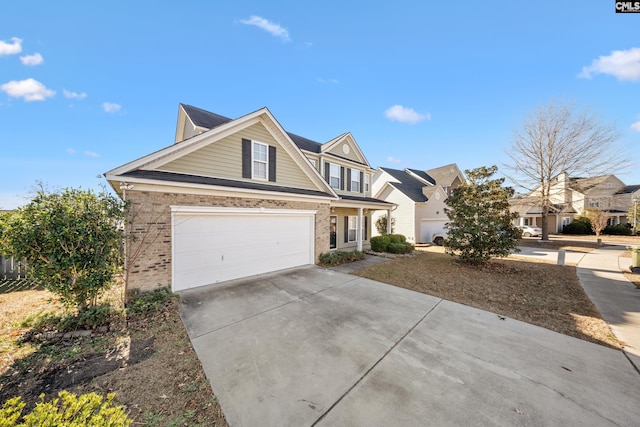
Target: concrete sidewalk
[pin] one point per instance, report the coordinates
(617, 299)
(571, 257)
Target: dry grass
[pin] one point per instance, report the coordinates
(148, 363)
(542, 294)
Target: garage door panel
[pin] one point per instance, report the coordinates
(218, 247)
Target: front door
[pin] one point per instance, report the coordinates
(333, 231)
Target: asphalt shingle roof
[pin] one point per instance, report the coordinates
(209, 120)
(408, 185)
(205, 119)
(193, 179)
(628, 189)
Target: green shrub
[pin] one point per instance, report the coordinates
(579, 225)
(380, 243)
(340, 257)
(89, 318)
(67, 410)
(400, 248)
(148, 301)
(618, 230)
(397, 238)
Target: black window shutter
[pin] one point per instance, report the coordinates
(361, 182)
(342, 177)
(246, 158)
(272, 164)
(327, 166)
(349, 179)
(366, 228)
(346, 229)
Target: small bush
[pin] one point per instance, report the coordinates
(401, 248)
(380, 243)
(148, 301)
(618, 230)
(68, 410)
(89, 318)
(340, 257)
(578, 226)
(397, 238)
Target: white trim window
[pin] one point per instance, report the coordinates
(366, 182)
(355, 180)
(334, 175)
(260, 160)
(352, 234)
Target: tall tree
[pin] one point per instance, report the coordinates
(558, 138)
(480, 224)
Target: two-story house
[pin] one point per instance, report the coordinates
(570, 197)
(232, 198)
(420, 197)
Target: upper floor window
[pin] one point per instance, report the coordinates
(260, 160)
(334, 175)
(366, 183)
(355, 180)
(594, 204)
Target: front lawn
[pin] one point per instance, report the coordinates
(542, 294)
(146, 360)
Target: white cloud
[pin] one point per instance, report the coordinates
(71, 151)
(110, 107)
(332, 81)
(73, 95)
(29, 90)
(622, 64)
(35, 59)
(11, 48)
(91, 153)
(405, 115)
(636, 125)
(270, 27)
(393, 160)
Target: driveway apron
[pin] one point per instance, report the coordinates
(311, 346)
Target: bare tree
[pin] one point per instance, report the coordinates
(558, 138)
(598, 221)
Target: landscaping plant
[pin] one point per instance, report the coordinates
(72, 241)
(480, 224)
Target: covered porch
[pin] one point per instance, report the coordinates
(350, 222)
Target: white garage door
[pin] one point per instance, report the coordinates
(211, 245)
(429, 227)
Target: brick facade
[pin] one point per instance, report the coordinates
(149, 230)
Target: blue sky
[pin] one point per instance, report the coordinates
(88, 86)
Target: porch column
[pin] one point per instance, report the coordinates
(388, 221)
(359, 229)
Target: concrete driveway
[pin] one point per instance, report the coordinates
(312, 346)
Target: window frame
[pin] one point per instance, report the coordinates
(355, 179)
(265, 162)
(354, 229)
(338, 176)
(366, 182)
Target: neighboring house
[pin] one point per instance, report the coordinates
(233, 198)
(570, 197)
(420, 198)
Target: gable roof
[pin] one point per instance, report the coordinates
(445, 175)
(423, 175)
(224, 127)
(584, 184)
(407, 185)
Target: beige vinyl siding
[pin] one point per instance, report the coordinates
(337, 150)
(350, 246)
(346, 165)
(404, 214)
(223, 159)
